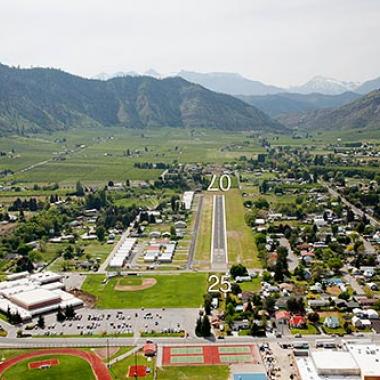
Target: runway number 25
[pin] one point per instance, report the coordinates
(214, 281)
(221, 183)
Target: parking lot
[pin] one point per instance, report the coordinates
(127, 322)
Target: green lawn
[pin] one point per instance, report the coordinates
(252, 286)
(70, 367)
(194, 373)
(310, 330)
(182, 290)
(119, 370)
(240, 240)
(203, 245)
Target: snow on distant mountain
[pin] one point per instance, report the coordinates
(324, 85)
(119, 74)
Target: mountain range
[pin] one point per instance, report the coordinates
(41, 99)
(284, 103)
(362, 113)
(236, 84)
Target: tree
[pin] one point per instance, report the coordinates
(238, 270)
(69, 312)
(207, 304)
(235, 289)
(279, 271)
(296, 305)
(263, 188)
(206, 326)
(262, 203)
(41, 322)
(24, 249)
(313, 317)
(68, 253)
(198, 327)
(79, 189)
(100, 233)
(174, 203)
(255, 329)
(334, 263)
(60, 316)
(270, 303)
(344, 296)
(173, 232)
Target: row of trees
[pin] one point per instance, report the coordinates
(203, 327)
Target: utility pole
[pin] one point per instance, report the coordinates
(107, 347)
(136, 377)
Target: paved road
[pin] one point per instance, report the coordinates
(118, 342)
(356, 210)
(354, 284)
(219, 256)
(104, 265)
(293, 259)
(195, 232)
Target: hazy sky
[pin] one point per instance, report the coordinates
(283, 42)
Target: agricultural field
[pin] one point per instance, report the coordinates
(95, 156)
(178, 290)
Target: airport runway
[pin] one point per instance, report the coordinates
(219, 256)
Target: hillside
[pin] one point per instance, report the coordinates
(275, 105)
(38, 99)
(368, 86)
(363, 113)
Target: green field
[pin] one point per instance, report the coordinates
(98, 155)
(253, 286)
(310, 330)
(180, 290)
(119, 370)
(69, 367)
(203, 245)
(194, 373)
(241, 243)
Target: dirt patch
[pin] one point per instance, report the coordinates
(6, 229)
(102, 352)
(333, 290)
(88, 299)
(146, 283)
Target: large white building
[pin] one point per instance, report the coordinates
(355, 362)
(122, 253)
(30, 295)
(188, 199)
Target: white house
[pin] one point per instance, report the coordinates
(331, 322)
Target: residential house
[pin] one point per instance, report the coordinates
(331, 322)
(298, 322)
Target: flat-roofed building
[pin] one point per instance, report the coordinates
(35, 294)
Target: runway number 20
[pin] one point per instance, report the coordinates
(214, 281)
(221, 183)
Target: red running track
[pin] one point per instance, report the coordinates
(98, 367)
(50, 362)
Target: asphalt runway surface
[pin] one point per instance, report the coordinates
(219, 258)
